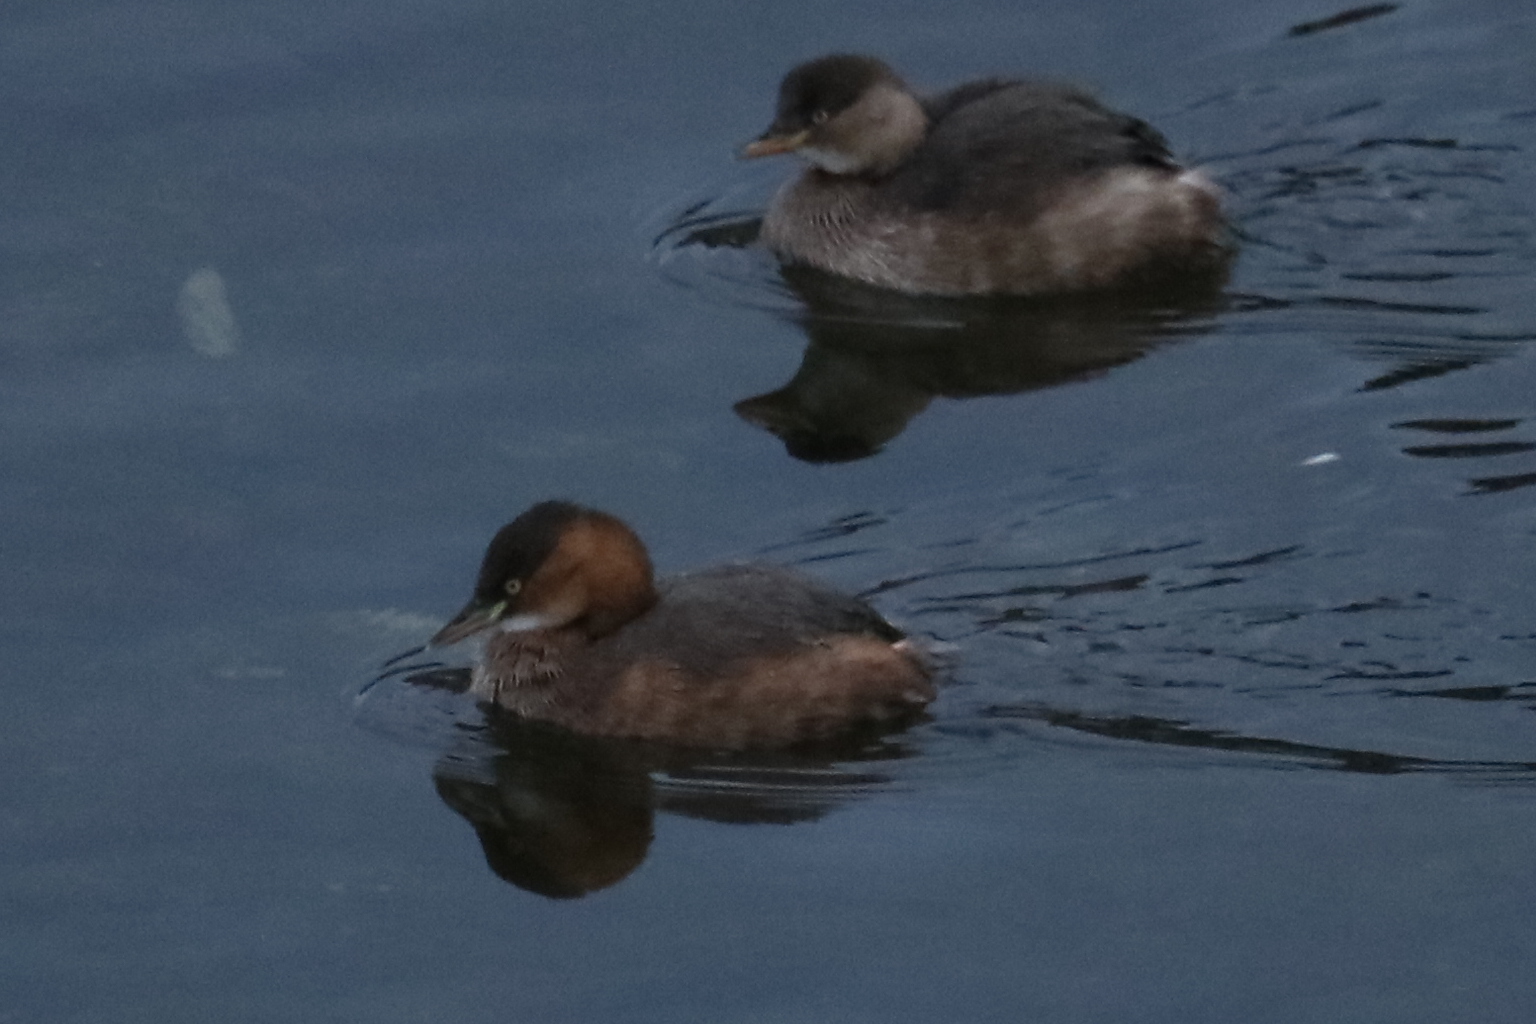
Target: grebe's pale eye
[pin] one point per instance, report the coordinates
(512, 587)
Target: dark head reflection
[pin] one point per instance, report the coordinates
(876, 358)
(554, 815)
(563, 815)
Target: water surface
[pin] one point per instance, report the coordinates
(302, 301)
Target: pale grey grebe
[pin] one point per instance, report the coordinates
(996, 186)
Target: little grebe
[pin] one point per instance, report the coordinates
(996, 186)
(731, 657)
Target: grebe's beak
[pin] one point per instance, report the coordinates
(773, 145)
(474, 618)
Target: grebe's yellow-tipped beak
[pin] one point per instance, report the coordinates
(773, 145)
(474, 618)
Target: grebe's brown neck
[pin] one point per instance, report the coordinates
(558, 568)
(596, 578)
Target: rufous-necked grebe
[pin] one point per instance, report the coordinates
(993, 187)
(732, 657)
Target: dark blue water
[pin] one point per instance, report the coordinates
(299, 302)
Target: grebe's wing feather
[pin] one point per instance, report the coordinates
(1005, 145)
(708, 619)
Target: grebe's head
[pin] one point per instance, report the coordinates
(558, 566)
(846, 115)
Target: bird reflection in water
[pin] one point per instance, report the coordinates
(564, 815)
(877, 358)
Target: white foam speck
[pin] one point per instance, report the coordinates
(206, 318)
